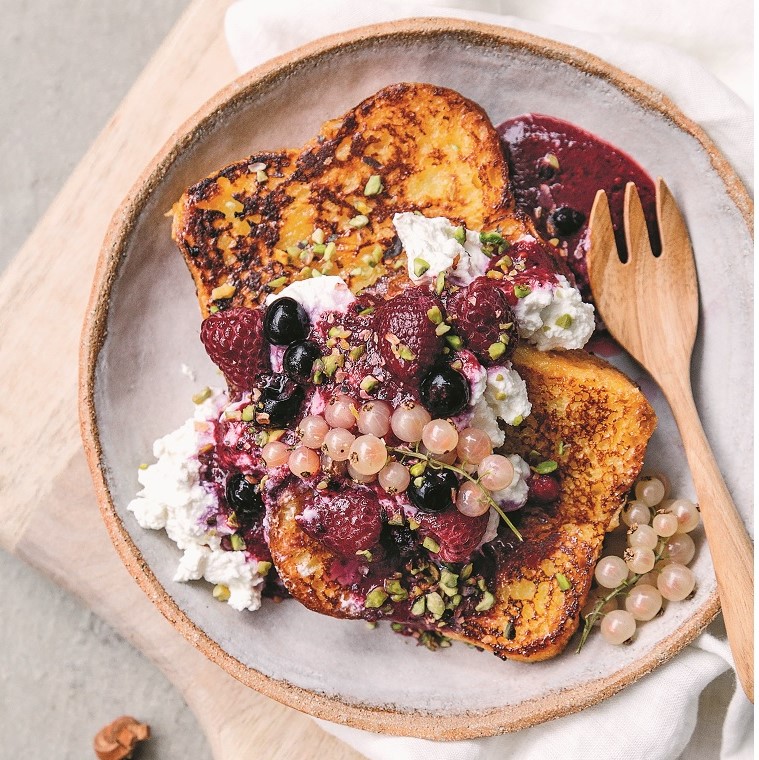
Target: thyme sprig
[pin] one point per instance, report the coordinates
(596, 613)
(404, 452)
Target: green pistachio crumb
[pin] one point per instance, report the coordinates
(545, 467)
(487, 601)
(365, 553)
(447, 578)
(395, 519)
(481, 585)
(518, 420)
(521, 291)
(221, 592)
(466, 571)
(329, 251)
(319, 248)
(431, 545)
(317, 236)
(459, 235)
(263, 568)
(440, 283)
(435, 604)
(369, 383)
(393, 586)
(358, 221)
(551, 160)
(435, 315)
(404, 352)
(238, 544)
(213, 309)
(420, 266)
(373, 185)
(201, 396)
(397, 627)
(563, 582)
(294, 250)
(375, 598)
(261, 175)
(278, 282)
(419, 606)
(496, 350)
(491, 238)
(370, 624)
(442, 328)
(249, 413)
(454, 342)
(417, 469)
(356, 352)
(412, 523)
(318, 378)
(144, 466)
(367, 311)
(565, 321)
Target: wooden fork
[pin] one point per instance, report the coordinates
(650, 305)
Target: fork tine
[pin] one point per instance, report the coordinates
(636, 232)
(675, 240)
(602, 230)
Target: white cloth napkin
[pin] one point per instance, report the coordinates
(681, 710)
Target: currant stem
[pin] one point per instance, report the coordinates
(463, 473)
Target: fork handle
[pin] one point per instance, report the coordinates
(729, 543)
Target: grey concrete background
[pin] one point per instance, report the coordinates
(64, 67)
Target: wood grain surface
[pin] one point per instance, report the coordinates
(45, 487)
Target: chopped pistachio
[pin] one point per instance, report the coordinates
(393, 586)
(487, 601)
(442, 328)
(144, 466)
(315, 273)
(518, 420)
(456, 600)
(505, 262)
(431, 545)
(419, 606)
(561, 448)
(435, 604)
(221, 592)
(317, 236)
(496, 350)
(358, 221)
(554, 241)
(318, 378)
(551, 160)
(521, 291)
(404, 352)
(447, 578)
(448, 591)
(357, 352)
(277, 282)
(458, 364)
(440, 283)
(395, 519)
(375, 598)
(491, 238)
(365, 553)
(565, 321)
(397, 627)
(563, 582)
(294, 250)
(213, 308)
(459, 235)
(369, 383)
(238, 544)
(417, 469)
(545, 467)
(420, 266)
(329, 251)
(367, 311)
(263, 568)
(373, 185)
(481, 585)
(232, 520)
(466, 571)
(319, 248)
(249, 413)
(223, 291)
(261, 175)
(201, 396)
(370, 624)
(412, 523)
(435, 315)
(454, 342)
(494, 274)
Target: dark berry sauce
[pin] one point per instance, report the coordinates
(557, 168)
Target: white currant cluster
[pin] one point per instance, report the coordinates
(654, 567)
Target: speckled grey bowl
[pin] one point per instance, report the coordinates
(144, 325)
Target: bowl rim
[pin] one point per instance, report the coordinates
(464, 725)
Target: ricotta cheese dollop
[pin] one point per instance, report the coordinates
(174, 499)
(317, 295)
(504, 398)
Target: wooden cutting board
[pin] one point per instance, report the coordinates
(45, 487)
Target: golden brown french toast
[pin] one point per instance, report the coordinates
(435, 151)
(601, 422)
(245, 234)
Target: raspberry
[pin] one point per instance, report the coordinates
(346, 521)
(457, 534)
(235, 342)
(543, 488)
(406, 334)
(481, 315)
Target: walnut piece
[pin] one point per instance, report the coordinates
(117, 740)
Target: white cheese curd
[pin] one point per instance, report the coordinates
(317, 295)
(173, 498)
(431, 241)
(475, 373)
(504, 398)
(515, 494)
(555, 316)
(484, 419)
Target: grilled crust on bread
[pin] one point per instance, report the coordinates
(435, 151)
(603, 422)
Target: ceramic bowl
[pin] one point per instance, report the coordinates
(144, 324)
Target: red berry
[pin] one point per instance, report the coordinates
(481, 315)
(543, 488)
(235, 342)
(457, 534)
(406, 334)
(346, 521)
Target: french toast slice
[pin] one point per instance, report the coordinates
(601, 422)
(244, 235)
(434, 151)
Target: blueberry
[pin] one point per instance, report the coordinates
(280, 399)
(285, 322)
(565, 221)
(299, 358)
(243, 496)
(444, 391)
(434, 491)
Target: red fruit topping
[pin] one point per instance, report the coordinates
(457, 534)
(235, 342)
(481, 315)
(543, 488)
(346, 521)
(406, 333)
